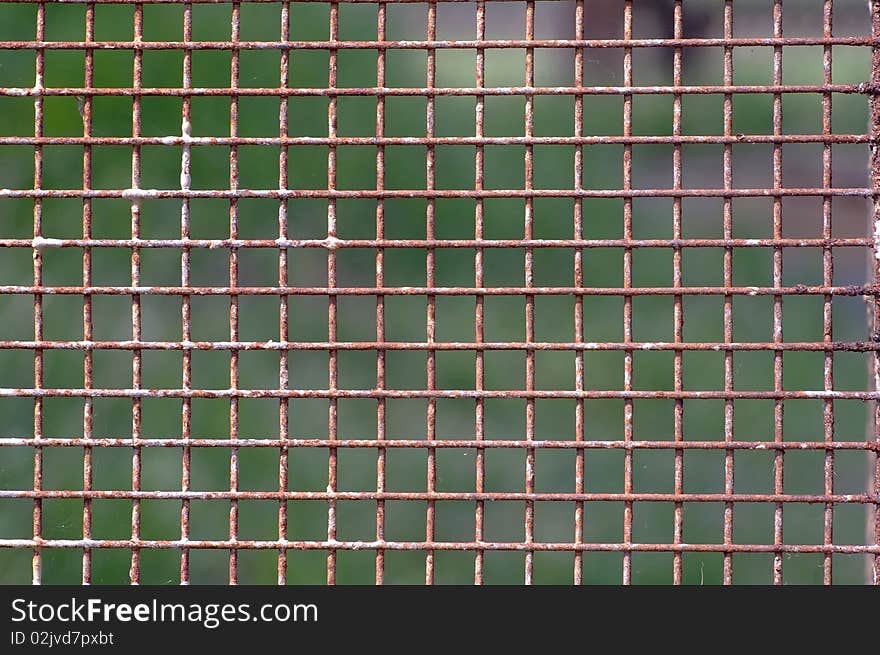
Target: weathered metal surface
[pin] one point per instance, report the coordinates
(628, 440)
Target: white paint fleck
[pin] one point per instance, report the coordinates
(40, 242)
(134, 194)
(877, 238)
(185, 177)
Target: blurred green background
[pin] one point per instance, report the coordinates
(405, 316)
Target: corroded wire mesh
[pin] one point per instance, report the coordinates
(570, 363)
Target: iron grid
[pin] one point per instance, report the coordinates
(581, 441)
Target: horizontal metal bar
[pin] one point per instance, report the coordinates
(88, 92)
(508, 496)
(589, 346)
(797, 290)
(226, 2)
(511, 443)
(470, 44)
(594, 394)
(293, 194)
(208, 141)
(288, 544)
(335, 243)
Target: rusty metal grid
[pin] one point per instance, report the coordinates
(290, 442)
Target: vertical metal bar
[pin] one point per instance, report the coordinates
(874, 128)
(88, 407)
(627, 300)
(827, 280)
(380, 299)
(185, 306)
(579, 371)
(333, 373)
(778, 404)
(528, 234)
(134, 574)
(479, 376)
(283, 311)
(37, 559)
(233, 298)
(677, 310)
(430, 323)
(727, 220)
